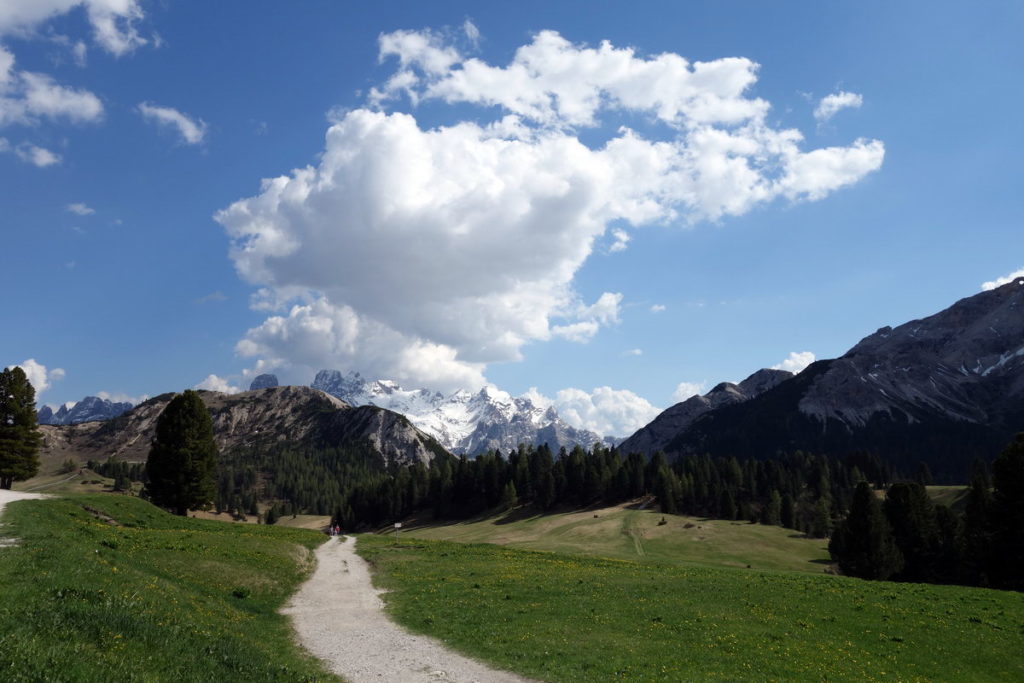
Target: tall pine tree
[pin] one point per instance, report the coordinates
(1007, 518)
(182, 464)
(19, 431)
(863, 543)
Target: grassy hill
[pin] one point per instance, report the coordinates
(560, 617)
(105, 587)
(623, 533)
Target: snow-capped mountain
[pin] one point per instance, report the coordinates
(89, 409)
(463, 422)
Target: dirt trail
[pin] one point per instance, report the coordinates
(339, 617)
(7, 496)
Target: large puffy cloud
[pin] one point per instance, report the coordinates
(604, 410)
(453, 247)
(38, 374)
(320, 335)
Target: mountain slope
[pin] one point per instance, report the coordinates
(298, 415)
(944, 390)
(657, 435)
(463, 422)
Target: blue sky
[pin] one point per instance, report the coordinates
(550, 253)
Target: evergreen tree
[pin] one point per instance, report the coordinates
(19, 431)
(1007, 518)
(821, 522)
(911, 515)
(788, 516)
(182, 461)
(509, 498)
(977, 531)
(863, 543)
(773, 511)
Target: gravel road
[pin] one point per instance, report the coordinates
(339, 617)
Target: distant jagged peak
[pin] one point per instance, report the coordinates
(89, 409)
(265, 381)
(463, 421)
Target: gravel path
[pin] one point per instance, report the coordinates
(339, 617)
(7, 496)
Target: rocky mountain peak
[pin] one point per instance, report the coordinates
(464, 422)
(664, 428)
(89, 409)
(263, 382)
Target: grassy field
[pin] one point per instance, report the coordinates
(623, 533)
(954, 497)
(561, 617)
(107, 587)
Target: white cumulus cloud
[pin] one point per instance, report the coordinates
(795, 362)
(37, 156)
(999, 282)
(192, 131)
(215, 383)
(830, 105)
(121, 397)
(454, 246)
(685, 390)
(38, 375)
(27, 97)
(114, 22)
(607, 411)
(658, 308)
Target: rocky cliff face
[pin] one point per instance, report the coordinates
(298, 415)
(89, 409)
(463, 422)
(657, 435)
(959, 364)
(263, 382)
(944, 389)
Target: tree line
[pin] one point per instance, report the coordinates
(907, 537)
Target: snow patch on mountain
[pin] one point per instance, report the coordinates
(463, 422)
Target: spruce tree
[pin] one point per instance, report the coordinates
(1007, 518)
(182, 462)
(911, 515)
(863, 543)
(19, 431)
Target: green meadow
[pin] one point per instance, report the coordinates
(565, 617)
(106, 587)
(647, 536)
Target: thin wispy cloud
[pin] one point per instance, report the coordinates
(81, 209)
(830, 105)
(192, 131)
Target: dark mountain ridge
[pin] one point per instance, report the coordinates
(943, 390)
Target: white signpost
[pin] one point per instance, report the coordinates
(398, 525)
